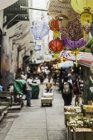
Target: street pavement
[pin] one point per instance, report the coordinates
(36, 122)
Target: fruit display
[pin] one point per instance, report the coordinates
(87, 109)
(83, 129)
(72, 112)
(72, 109)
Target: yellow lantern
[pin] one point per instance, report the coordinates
(83, 7)
(79, 5)
(86, 16)
(56, 55)
(56, 34)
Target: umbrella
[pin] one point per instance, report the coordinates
(66, 64)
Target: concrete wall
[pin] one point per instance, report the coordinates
(17, 36)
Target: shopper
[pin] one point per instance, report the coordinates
(28, 91)
(67, 92)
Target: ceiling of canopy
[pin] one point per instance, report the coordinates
(14, 13)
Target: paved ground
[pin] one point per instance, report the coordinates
(36, 122)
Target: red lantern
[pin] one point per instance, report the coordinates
(56, 45)
(54, 25)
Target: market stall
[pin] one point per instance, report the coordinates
(79, 122)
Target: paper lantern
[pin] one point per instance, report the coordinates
(74, 44)
(56, 45)
(39, 29)
(86, 16)
(56, 55)
(54, 25)
(56, 34)
(37, 48)
(79, 5)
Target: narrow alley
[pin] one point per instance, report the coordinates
(36, 122)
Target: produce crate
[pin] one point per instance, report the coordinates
(82, 134)
(68, 115)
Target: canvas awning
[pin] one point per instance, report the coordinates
(6, 3)
(84, 58)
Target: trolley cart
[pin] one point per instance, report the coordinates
(47, 99)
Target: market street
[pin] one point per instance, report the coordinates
(36, 122)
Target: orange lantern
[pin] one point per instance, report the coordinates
(54, 24)
(56, 45)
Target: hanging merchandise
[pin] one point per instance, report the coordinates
(85, 8)
(56, 34)
(54, 25)
(37, 48)
(86, 16)
(74, 44)
(73, 37)
(56, 55)
(39, 29)
(79, 5)
(56, 8)
(56, 45)
(73, 29)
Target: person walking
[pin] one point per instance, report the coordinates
(67, 92)
(28, 91)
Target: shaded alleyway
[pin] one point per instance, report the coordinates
(36, 122)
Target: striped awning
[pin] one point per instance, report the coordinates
(83, 58)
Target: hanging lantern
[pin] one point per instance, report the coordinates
(39, 29)
(54, 24)
(56, 34)
(86, 16)
(74, 44)
(37, 48)
(56, 55)
(56, 45)
(79, 5)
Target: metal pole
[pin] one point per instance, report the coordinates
(33, 8)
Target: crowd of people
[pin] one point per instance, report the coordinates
(69, 83)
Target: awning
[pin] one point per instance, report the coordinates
(85, 63)
(83, 58)
(66, 64)
(6, 3)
